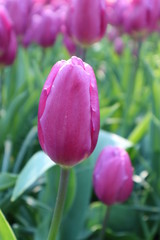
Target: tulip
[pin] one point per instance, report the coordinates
(8, 44)
(8, 57)
(134, 17)
(43, 27)
(86, 21)
(112, 177)
(118, 45)
(68, 114)
(5, 29)
(19, 12)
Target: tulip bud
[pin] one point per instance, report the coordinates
(43, 27)
(8, 57)
(118, 45)
(19, 12)
(5, 29)
(86, 21)
(68, 114)
(112, 177)
(8, 43)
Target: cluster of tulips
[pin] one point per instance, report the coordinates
(134, 17)
(79, 22)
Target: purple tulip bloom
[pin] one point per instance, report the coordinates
(112, 177)
(68, 114)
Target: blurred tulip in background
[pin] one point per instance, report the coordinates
(86, 21)
(8, 44)
(19, 12)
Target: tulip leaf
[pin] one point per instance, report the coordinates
(8, 118)
(141, 129)
(118, 221)
(6, 232)
(107, 112)
(7, 180)
(73, 223)
(38, 164)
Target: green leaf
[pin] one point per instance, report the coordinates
(6, 232)
(108, 112)
(118, 226)
(8, 118)
(27, 142)
(38, 164)
(140, 130)
(7, 180)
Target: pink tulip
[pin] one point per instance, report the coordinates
(68, 114)
(112, 177)
(86, 21)
(135, 17)
(118, 45)
(8, 44)
(5, 29)
(44, 26)
(19, 11)
(8, 57)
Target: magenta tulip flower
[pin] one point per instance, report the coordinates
(43, 27)
(118, 45)
(86, 21)
(19, 12)
(68, 114)
(8, 44)
(112, 177)
(134, 17)
(5, 29)
(8, 57)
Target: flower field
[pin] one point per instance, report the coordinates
(80, 102)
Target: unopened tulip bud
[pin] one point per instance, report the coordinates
(86, 21)
(112, 177)
(8, 43)
(118, 45)
(68, 114)
(19, 12)
(44, 26)
(8, 57)
(5, 29)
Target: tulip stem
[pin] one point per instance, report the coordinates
(1, 87)
(55, 224)
(81, 52)
(105, 222)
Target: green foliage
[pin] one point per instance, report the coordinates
(7, 180)
(31, 172)
(5, 230)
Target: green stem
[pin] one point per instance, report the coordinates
(59, 204)
(81, 52)
(1, 87)
(105, 222)
(130, 91)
